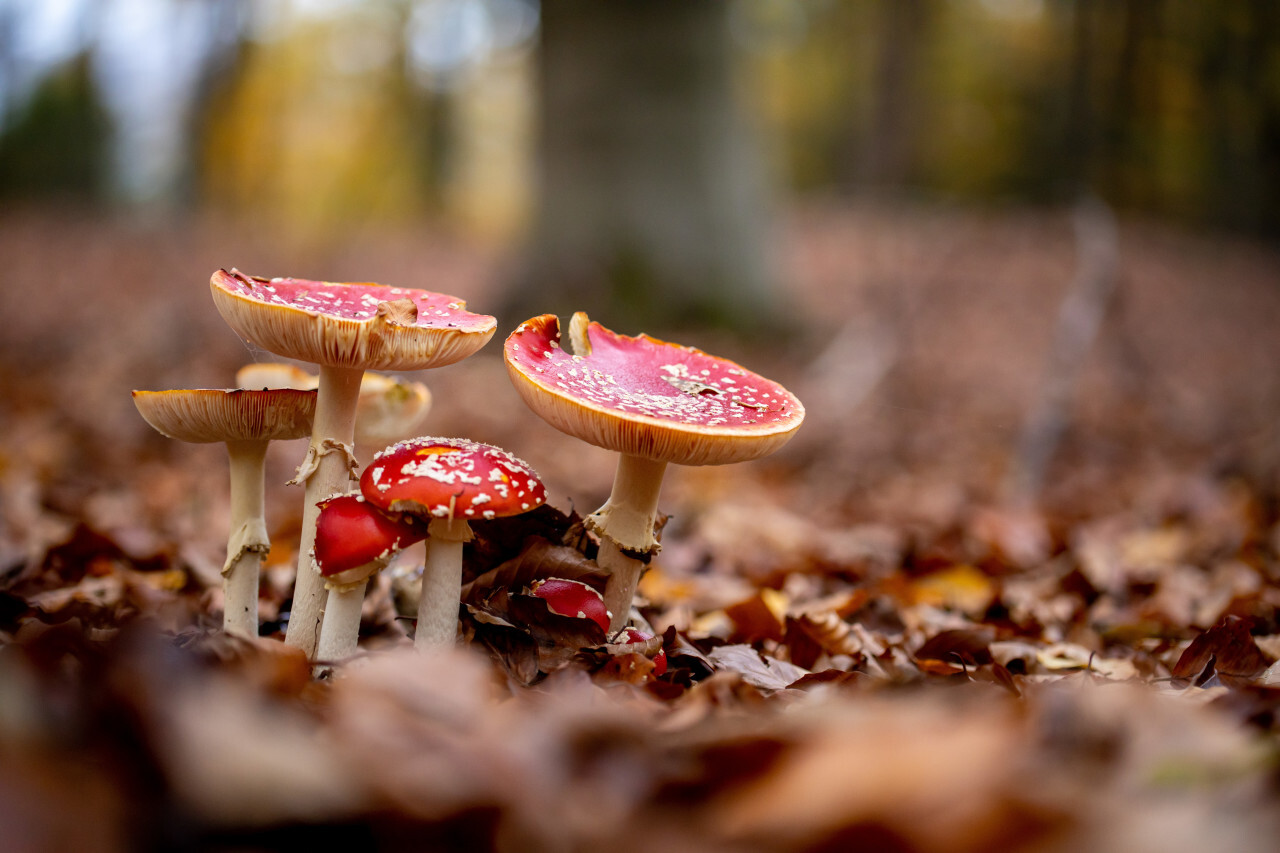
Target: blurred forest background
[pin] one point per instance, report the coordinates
(321, 111)
(658, 169)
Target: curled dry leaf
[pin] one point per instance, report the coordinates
(1228, 647)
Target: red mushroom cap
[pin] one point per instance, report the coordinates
(352, 536)
(630, 635)
(342, 324)
(451, 478)
(572, 598)
(649, 398)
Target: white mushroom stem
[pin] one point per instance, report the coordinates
(625, 527)
(441, 584)
(248, 542)
(340, 633)
(327, 469)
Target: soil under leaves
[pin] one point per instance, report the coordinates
(868, 643)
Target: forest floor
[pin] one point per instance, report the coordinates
(872, 638)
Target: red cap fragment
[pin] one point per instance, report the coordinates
(572, 598)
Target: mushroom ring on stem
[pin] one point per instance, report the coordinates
(344, 329)
(354, 541)
(247, 421)
(654, 403)
(449, 481)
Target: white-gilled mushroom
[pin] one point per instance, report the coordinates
(389, 409)
(449, 481)
(246, 421)
(354, 540)
(653, 402)
(344, 329)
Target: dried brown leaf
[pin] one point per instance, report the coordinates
(537, 560)
(763, 671)
(1229, 647)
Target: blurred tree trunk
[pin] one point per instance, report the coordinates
(887, 156)
(653, 209)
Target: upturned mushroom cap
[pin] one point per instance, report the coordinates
(208, 415)
(355, 539)
(355, 325)
(648, 398)
(451, 478)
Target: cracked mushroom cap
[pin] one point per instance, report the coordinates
(648, 398)
(208, 415)
(356, 325)
(451, 478)
(355, 539)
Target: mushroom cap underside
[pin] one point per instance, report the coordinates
(208, 415)
(451, 478)
(388, 410)
(650, 398)
(356, 325)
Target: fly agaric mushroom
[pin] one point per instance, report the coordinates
(345, 329)
(246, 421)
(389, 409)
(653, 402)
(354, 540)
(449, 481)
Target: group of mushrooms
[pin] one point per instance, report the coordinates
(650, 401)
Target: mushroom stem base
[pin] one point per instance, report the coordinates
(441, 588)
(240, 594)
(625, 527)
(340, 632)
(624, 576)
(248, 542)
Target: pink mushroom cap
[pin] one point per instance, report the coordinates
(451, 478)
(649, 398)
(340, 324)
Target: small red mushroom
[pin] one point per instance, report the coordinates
(354, 541)
(634, 636)
(448, 481)
(572, 598)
